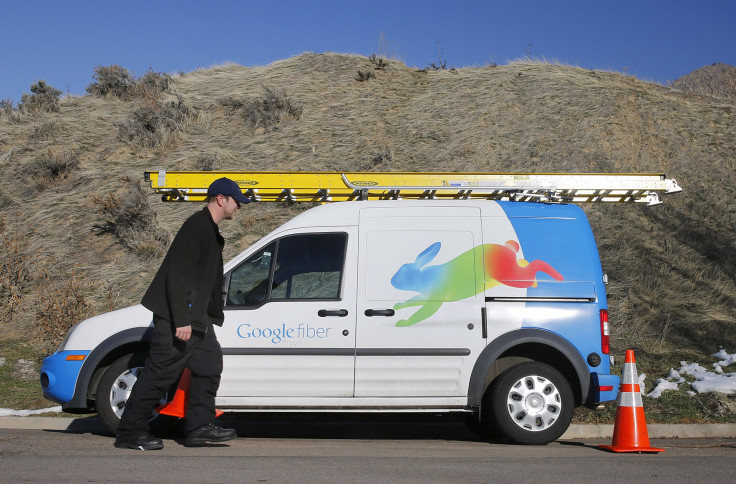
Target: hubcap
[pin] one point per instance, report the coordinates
(120, 390)
(534, 403)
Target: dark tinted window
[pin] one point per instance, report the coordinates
(307, 266)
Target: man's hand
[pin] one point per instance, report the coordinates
(184, 333)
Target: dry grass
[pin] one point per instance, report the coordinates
(672, 268)
(128, 215)
(714, 80)
(64, 304)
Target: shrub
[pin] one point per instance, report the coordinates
(152, 123)
(44, 99)
(440, 66)
(63, 306)
(116, 81)
(129, 217)
(385, 156)
(231, 104)
(379, 63)
(365, 75)
(8, 112)
(207, 162)
(381, 160)
(112, 80)
(268, 111)
(441, 63)
(52, 165)
(6, 106)
(44, 131)
(152, 84)
(15, 271)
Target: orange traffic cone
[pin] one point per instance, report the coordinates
(630, 430)
(177, 407)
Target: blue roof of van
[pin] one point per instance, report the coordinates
(532, 209)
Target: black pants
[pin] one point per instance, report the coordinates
(166, 360)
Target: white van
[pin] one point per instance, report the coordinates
(490, 307)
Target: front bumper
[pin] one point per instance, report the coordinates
(59, 373)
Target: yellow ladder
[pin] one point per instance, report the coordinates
(267, 186)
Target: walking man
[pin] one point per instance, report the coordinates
(186, 300)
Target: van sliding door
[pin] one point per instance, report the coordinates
(419, 301)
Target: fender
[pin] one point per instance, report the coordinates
(132, 335)
(500, 345)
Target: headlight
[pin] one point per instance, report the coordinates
(62, 345)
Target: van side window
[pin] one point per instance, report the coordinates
(306, 266)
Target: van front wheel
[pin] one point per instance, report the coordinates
(530, 403)
(114, 390)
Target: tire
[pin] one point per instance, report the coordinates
(114, 389)
(530, 404)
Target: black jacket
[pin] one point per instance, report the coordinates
(187, 289)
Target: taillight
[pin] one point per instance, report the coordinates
(605, 333)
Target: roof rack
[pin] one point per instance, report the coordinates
(266, 186)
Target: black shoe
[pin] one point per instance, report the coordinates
(209, 433)
(139, 442)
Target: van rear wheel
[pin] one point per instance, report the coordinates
(530, 403)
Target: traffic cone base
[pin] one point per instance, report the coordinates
(630, 429)
(177, 407)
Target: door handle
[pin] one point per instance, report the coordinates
(322, 313)
(379, 312)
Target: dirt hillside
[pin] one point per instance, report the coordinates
(79, 239)
(714, 80)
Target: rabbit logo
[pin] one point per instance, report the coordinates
(437, 284)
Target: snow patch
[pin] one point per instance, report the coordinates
(705, 381)
(9, 412)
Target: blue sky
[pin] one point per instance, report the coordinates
(62, 42)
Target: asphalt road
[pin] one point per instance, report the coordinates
(373, 451)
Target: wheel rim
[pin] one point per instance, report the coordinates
(534, 403)
(120, 390)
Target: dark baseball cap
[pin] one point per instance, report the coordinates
(227, 187)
